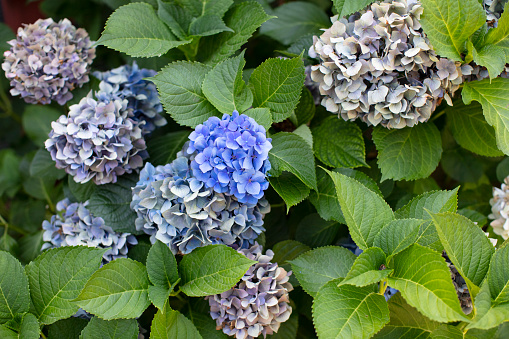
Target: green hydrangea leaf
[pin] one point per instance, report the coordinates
(398, 235)
(37, 122)
(205, 7)
(29, 328)
(305, 133)
(208, 24)
(161, 265)
(305, 110)
(136, 30)
(57, 277)
(424, 280)
(98, 328)
(421, 143)
(348, 311)
(158, 295)
(495, 316)
(339, 143)
(447, 332)
(207, 326)
(224, 87)
(176, 17)
(449, 23)
(117, 290)
(470, 129)
(315, 231)
(347, 7)
(261, 115)
(290, 188)
(43, 166)
(287, 250)
(212, 269)
(499, 36)
(365, 212)
(325, 198)
(494, 98)
(69, 328)
(14, 292)
(492, 57)
(82, 192)
(293, 20)
(172, 325)
(315, 268)
(366, 269)
(276, 84)
(163, 149)
(462, 165)
(498, 276)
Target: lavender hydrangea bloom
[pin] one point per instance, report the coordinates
(128, 83)
(74, 225)
(259, 303)
(232, 156)
(97, 141)
(47, 60)
(500, 210)
(179, 210)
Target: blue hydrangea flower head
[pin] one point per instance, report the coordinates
(179, 210)
(97, 141)
(48, 60)
(74, 225)
(128, 82)
(231, 156)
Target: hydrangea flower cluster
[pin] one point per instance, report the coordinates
(500, 210)
(97, 140)
(47, 60)
(74, 225)
(232, 156)
(179, 210)
(378, 66)
(127, 82)
(259, 303)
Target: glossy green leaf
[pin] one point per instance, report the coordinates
(325, 198)
(37, 122)
(172, 325)
(398, 235)
(366, 269)
(14, 292)
(261, 115)
(161, 265)
(290, 188)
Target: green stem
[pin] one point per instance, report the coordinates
(12, 227)
(383, 287)
(42, 335)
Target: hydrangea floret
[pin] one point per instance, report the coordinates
(258, 303)
(74, 225)
(97, 141)
(232, 156)
(179, 210)
(500, 210)
(128, 82)
(48, 60)
(378, 66)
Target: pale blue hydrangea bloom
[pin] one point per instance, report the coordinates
(127, 82)
(179, 210)
(48, 60)
(74, 225)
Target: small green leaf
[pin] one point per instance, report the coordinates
(158, 295)
(212, 269)
(492, 57)
(449, 23)
(14, 293)
(421, 143)
(305, 133)
(205, 7)
(315, 268)
(207, 326)
(348, 7)
(117, 290)
(172, 325)
(208, 24)
(98, 328)
(325, 198)
(161, 265)
(348, 311)
(180, 90)
(433, 201)
(224, 87)
(176, 17)
(339, 143)
(495, 316)
(82, 192)
(276, 84)
(366, 269)
(37, 122)
(398, 235)
(29, 327)
(261, 115)
(499, 36)
(290, 188)
(305, 110)
(498, 276)
(136, 30)
(43, 166)
(315, 231)
(365, 212)
(424, 280)
(57, 277)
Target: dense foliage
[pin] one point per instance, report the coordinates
(294, 169)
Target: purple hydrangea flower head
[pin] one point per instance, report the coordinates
(48, 60)
(128, 82)
(181, 211)
(259, 303)
(231, 156)
(97, 141)
(74, 225)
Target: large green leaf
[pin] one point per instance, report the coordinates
(449, 23)
(339, 143)
(365, 212)
(290, 152)
(212, 269)
(295, 19)
(408, 153)
(348, 311)
(136, 30)
(325, 198)
(315, 268)
(499, 36)
(494, 98)
(98, 328)
(366, 269)
(498, 276)
(224, 87)
(111, 202)
(290, 188)
(172, 325)
(398, 235)
(37, 122)
(406, 322)
(163, 149)
(179, 86)
(424, 280)
(347, 7)
(161, 266)
(57, 277)
(117, 290)
(276, 84)
(466, 245)
(14, 293)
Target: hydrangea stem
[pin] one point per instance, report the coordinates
(383, 286)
